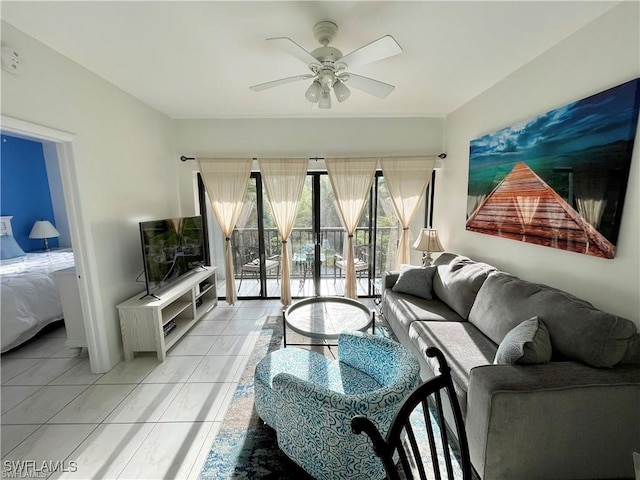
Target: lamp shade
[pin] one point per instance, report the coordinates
(314, 91)
(341, 90)
(428, 241)
(43, 229)
(325, 100)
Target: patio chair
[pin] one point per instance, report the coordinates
(250, 261)
(417, 442)
(361, 260)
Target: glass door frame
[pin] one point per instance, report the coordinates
(317, 231)
(261, 244)
(257, 177)
(205, 212)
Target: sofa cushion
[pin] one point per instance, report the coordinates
(577, 330)
(405, 309)
(463, 346)
(456, 283)
(527, 342)
(417, 281)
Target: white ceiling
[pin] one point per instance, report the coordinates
(197, 59)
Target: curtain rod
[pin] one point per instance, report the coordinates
(184, 158)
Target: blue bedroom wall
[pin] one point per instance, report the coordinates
(24, 189)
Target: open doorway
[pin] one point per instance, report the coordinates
(32, 191)
(57, 146)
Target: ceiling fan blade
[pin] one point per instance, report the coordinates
(380, 49)
(292, 48)
(369, 85)
(282, 81)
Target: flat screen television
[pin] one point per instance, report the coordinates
(171, 248)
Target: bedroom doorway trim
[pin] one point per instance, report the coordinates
(90, 298)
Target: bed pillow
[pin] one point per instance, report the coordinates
(416, 281)
(9, 248)
(527, 342)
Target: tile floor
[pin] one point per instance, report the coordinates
(140, 420)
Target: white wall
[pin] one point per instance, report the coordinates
(124, 159)
(604, 54)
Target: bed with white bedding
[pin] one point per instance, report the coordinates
(29, 295)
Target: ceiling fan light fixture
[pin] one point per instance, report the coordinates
(331, 70)
(314, 91)
(341, 90)
(325, 100)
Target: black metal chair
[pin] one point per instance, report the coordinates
(250, 263)
(361, 262)
(400, 450)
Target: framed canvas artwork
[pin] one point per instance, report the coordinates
(559, 179)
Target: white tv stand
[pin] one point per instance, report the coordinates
(143, 318)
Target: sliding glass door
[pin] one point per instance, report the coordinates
(333, 241)
(257, 246)
(317, 241)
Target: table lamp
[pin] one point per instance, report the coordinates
(428, 243)
(43, 229)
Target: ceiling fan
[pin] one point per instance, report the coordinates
(331, 70)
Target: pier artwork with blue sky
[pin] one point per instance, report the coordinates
(560, 178)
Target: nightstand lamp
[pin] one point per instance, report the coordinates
(43, 229)
(428, 243)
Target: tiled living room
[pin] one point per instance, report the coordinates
(142, 419)
(514, 123)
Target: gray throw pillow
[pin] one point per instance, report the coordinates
(457, 283)
(527, 342)
(416, 281)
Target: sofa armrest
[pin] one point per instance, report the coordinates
(554, 419)
(389, 279)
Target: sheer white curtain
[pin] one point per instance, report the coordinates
(591, 209)
(526, 208)
(226, 182)
(283, 179)
(351, 180)
(590, 193)
(407, 179)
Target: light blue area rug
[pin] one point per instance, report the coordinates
(246, 448)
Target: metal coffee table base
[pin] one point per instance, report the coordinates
(324, 318)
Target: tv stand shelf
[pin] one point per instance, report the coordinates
(143, 320)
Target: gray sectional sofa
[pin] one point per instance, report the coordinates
(576, 416)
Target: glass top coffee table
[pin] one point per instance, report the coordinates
(324, 318)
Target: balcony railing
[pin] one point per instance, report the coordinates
(332, 241)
